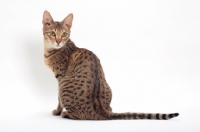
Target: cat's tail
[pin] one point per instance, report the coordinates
(133, 116)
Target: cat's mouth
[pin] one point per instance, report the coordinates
(58, 46)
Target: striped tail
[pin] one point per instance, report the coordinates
(132, 116)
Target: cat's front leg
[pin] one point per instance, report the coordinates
(59, 109)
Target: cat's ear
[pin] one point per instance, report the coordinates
(47, 19)
(68, 21)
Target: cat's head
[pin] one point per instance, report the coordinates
(56, 34)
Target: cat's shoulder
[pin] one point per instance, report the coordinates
(83, 52)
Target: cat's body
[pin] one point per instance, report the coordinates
(77, 71)
(83, 90)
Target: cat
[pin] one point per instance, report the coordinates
(83, 90)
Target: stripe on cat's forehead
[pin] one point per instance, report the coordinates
(58, 26)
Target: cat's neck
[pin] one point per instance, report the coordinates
(68, 48)
(59, 57)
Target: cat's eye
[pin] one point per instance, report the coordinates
(64, 34)
(52, 33)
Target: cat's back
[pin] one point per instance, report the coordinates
(82, 53)
(83, 62)
(83, 56)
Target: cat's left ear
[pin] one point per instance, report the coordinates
(68, 21)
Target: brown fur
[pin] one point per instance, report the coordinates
(83, 90)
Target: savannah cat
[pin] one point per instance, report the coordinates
(83, 90)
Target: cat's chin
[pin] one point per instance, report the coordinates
(53, 48)
(58, 47)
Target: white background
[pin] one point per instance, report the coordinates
(150, 52)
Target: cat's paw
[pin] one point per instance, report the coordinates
(56, 112)
(64, 114)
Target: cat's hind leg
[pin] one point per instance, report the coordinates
(73, 114)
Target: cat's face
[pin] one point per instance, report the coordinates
(56, 34)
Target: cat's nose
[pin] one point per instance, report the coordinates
(58, 41)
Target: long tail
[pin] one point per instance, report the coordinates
(108, 115)
(132, 116)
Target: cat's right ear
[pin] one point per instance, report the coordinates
(47, 19)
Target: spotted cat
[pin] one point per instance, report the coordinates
(83, 90)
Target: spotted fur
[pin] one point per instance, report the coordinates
(83, 90)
